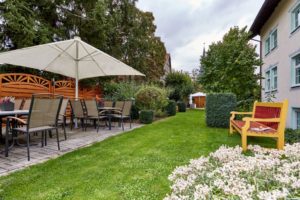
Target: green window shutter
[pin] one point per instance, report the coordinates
(271, 79)
(293, 73)
(275, 38)
(293, 23)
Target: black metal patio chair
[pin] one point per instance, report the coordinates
(124, 113)
(43, 116)
(93, 113)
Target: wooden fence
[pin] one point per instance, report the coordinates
(24, 85)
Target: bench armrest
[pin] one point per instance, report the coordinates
(233, 113)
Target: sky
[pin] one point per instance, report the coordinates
(185, 25)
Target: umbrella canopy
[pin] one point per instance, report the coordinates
(73, 58)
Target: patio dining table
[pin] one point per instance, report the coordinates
(109, 111)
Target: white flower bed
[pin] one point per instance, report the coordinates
(228, 174)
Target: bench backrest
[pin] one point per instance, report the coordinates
(279, 110)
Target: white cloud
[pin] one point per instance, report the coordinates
(184, 25)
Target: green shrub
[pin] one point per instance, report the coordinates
(146, 116)
(160, 114)
(120, 91)
(151, 98)
(292, 136)
(181, 85)
(218, 108)
(170, 109)
(181, 106)
(134, 112)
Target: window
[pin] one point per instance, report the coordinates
(296, 18)
(296, 118)
(296, 70)
(273, 39)
(271, 79)
(271, 42)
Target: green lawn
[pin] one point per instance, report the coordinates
(134, 165)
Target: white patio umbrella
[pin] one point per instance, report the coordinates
(73, 58)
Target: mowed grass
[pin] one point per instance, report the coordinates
(134, 165)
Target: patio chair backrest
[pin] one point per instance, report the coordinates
(91, 106)
(119, 105)
(44, 110)
(264, 110)
(18, 104)
(26, 104)
(127, 108)
(63, 108)
(108, 103)
(77, 109)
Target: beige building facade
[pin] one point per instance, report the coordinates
(278, 25)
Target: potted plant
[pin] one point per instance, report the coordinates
(7, 103)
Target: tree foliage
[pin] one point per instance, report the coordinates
(229, 66)
(181, 85)
(117, 27)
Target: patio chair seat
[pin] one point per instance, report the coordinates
(97, 117)
(36, 129)
(254, 125)
(120, 116)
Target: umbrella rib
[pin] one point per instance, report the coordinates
(89, 54)
(94, 60)
(64, 50)
(60, 53)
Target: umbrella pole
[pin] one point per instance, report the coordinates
(76, 63)
(76, 88)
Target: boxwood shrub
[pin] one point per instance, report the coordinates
(146, 116)
(218, 108)
(181, 106)
(170, 109)
(134, 112)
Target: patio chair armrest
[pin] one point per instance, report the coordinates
(17, 119)
(102, 112)
(249, 119)
(117, 111)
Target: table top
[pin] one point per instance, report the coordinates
(14, 112)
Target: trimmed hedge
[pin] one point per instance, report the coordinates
(134, 112)
(181, 106)
(218, 108)
(146, 116)
(292, 136)
(171, 108)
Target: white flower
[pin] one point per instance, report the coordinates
(273, 195)
(201, 192)
(227, 173)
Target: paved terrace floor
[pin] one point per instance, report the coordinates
(76, 139)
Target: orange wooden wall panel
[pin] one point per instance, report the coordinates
(24, 85)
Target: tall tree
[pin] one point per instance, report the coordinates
(229, 66)
(117, 27)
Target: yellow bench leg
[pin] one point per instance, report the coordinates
(280, 143)
(244, 141)
(230, 129)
